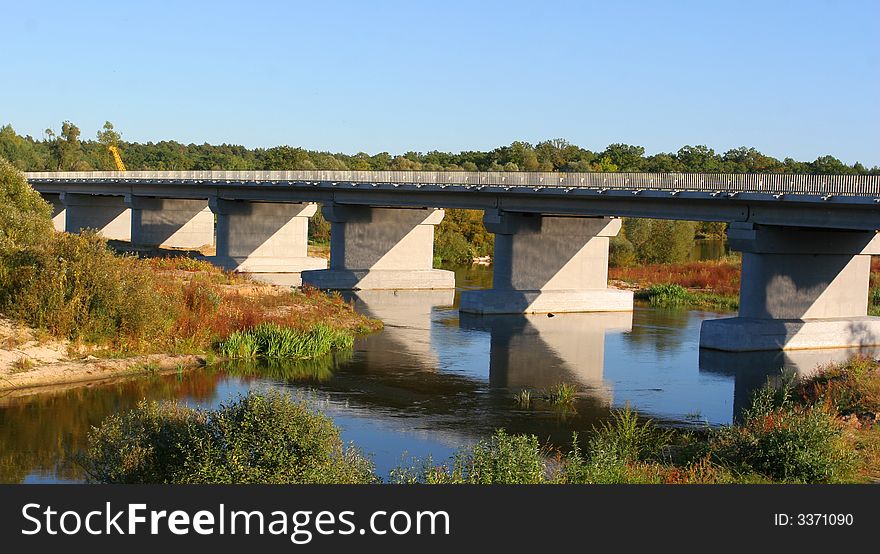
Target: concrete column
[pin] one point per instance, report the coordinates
(58, 211)
(800, 288)
(381, 248)
(260, 237)
(170, 222)
(549, 264)
(108, 215)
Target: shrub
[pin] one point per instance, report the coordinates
(848, 388)
(261, 438)
(501, 459)
(784, 441)
(25, 218)
(75, 287)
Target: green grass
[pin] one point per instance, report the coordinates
(272, 341)
(676, 296)
(561, 394)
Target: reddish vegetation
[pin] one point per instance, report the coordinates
(721, 277)
(213, 304)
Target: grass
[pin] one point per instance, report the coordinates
(676, 296)
(524, 398)
(272, 341)
(22, 364)
(561, 394)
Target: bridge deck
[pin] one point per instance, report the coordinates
(828, 201)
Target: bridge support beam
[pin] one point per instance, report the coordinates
(549, 264)
(381, 248)
(108, 215)
(170, 222)
(800, 288)
(262, 237)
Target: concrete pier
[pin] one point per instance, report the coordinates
(170, 222)
(110, 216)
(549, 264)
(380, 248)
(800, 289)
(263, 237)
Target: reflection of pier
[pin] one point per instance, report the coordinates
(406, 338)
(534, 351)
(752, 370)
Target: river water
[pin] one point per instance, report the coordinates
(435, 380)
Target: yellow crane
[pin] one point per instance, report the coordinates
(117, 159)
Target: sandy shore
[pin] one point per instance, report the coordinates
(29, 361)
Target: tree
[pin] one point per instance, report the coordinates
(699, 159)
(625, 156)
(660, 241)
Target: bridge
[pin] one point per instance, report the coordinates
(806, 239)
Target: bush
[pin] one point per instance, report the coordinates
(25, 218)
(784, 441)
(75, 287)
(850, 388)
(502, 459)
(261, 438)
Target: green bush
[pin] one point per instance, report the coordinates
(272, 341)
(501, 459)
(784, 441)
(25, 218)
(261, 438)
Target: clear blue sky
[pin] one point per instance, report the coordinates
(798, 79)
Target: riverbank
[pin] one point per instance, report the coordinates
(822, 429)
(706, 285)
(210, 306)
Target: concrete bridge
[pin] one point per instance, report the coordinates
(806, 239)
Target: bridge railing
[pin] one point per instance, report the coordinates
(770, 183)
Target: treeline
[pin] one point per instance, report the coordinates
(67, 150)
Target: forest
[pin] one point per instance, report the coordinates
(67, 150)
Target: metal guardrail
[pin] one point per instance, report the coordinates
(770, 183)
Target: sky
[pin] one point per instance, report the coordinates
(792, 78)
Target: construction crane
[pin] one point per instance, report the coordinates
(117, 159)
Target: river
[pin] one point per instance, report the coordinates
(435, 380)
